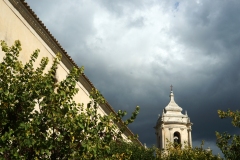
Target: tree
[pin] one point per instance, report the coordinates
(229, 144)
(132, 151)
(176, 152)
(39, 118)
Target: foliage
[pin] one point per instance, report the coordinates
(229, 144)
(131, 151)
(176, 152)
(39, 118)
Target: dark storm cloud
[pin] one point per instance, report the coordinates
(133, 51)
(212, 27)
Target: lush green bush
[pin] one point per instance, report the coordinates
(176, 152)
(229, 144)
(39, 118)
(131, 151)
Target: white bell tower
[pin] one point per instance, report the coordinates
(172, 125)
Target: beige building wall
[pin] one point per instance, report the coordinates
(18, 22)
(15, 27)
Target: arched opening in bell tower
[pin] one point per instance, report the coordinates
(177, 138)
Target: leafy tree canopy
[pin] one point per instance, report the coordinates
(229, 144)
(39, 118)
(186, 152)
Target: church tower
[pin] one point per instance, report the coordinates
(172, 125)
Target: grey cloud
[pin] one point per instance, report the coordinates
(70, 24)
(210, 26)
(138, 22)
(119, 8)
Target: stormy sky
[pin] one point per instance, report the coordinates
(134, 50)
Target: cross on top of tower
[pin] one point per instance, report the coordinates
(171, 87)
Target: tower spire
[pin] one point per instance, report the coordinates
(172, 106)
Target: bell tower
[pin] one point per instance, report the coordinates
(172, 125)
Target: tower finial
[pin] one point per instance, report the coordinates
(171, 87)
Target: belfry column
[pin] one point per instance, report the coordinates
(163, 138)
(181, 130)
(190, 137)
(170, 131)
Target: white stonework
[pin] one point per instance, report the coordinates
(172, 125)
